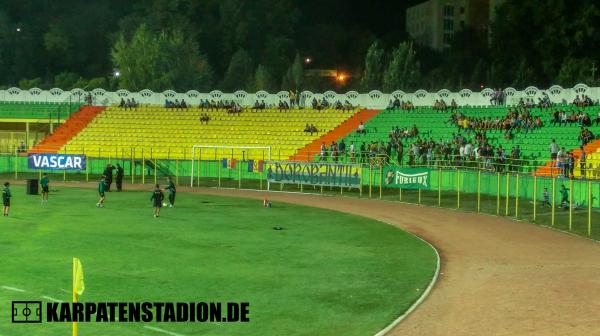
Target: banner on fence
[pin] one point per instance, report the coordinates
(314, 173)
(57, 161)
(407, 178)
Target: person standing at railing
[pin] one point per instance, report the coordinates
(363, 152)
(582, 159)
(562, 161)
(399, 152)
(352, 152)
(553, 150)
(323, 153)
(571, 164)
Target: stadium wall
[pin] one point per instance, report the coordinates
(374, 99)
(518, 196)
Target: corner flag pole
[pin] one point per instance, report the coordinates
(74, 292)
(78, 285)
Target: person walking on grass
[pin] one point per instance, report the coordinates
(157, 199)
(44, 182)
(101, 190)
(6, 195)
(172, 190)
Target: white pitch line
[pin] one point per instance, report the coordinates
(49, 298)
(162, 331)
(14, 289)
(432, 282)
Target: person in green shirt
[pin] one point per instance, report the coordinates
(101, 190)
(6, 198)
(564, 200)
(172, 190)
(44, 182)
(157, 199)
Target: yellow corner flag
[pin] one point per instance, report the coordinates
(78, 286)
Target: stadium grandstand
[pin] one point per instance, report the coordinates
(413, 131)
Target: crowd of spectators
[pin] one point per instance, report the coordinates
(560, 117)
(130, 103)
(176, 104)
(583, 101)
(498, 97)
(398, 104)
(517, 119)
(206, 105)
(310, 129)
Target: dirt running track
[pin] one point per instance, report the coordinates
(498, 277)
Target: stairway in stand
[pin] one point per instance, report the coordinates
(65, 132)
(351, 124)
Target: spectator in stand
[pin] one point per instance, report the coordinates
(334, 151)
(582, 159)
(562, 161)
(453, 105)
(553, 150)
(122, 103)
(323, 153)
(597, 119)
(342, 147)
(361, 128)
(204, 118)
(570, 164)
(292, 96)
(352, 152)
(22, 147)
(363, 152)
(183, 104)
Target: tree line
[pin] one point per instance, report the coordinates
(264, 45)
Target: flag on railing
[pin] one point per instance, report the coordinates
(233, 163)
(261, 165)
(250, 166)
(224, 162)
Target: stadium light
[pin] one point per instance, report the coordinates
(18, 29)
(341, 77)
(307, 60)
(116, 73)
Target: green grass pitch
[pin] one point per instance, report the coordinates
(326, 273)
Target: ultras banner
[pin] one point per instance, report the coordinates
(407, 178)
(314, 173)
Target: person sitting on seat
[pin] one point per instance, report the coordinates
(361, 128)
(204, 118)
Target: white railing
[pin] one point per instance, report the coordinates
(374, 99)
